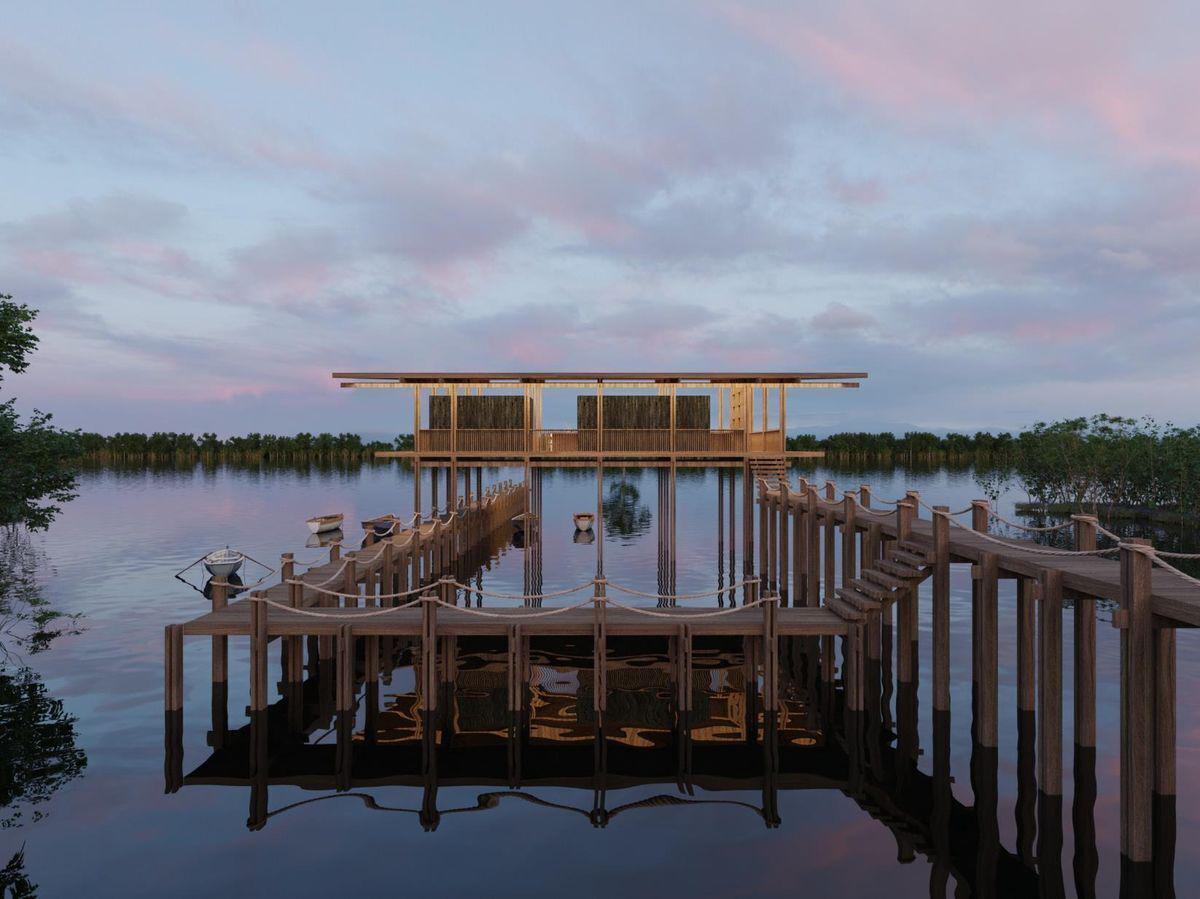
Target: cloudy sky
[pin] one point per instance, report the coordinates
(992, 208)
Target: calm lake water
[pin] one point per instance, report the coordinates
(83, 786)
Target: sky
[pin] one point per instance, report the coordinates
(994, 209)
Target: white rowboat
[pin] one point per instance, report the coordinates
(321, 523)
(223, 562)
(583, 521)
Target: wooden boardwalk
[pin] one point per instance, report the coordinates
(835, 571)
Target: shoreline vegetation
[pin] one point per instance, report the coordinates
(1120, 467)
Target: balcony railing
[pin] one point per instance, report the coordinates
(567, 441)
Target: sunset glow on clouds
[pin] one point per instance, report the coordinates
(993, 209)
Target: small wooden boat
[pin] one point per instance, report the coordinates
(223, 562)
(321, 523)
(583, 520)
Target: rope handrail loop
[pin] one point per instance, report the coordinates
(331, 613)
(677, 596)
(1032, 548)
(1030, 528)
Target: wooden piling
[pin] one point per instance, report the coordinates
(1027, 590)
(1049, 687)
(987, 729)
(785, 512)
(812, 531)
(830, 531)
(1137, 707)
(941, 609)
(1085, 644)
(258, 652)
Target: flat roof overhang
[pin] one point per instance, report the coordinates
(574, 379)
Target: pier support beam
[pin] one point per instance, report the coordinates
(941, 609)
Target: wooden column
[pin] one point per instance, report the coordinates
(1138, 705)
(1085, 644)
(987, 727)
(258, 653)
(1027, 590)
(764, 570)
(830, 530)
(785, 511)
(1049, 686)
(941, 609)
(812, 532)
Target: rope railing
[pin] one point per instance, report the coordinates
(518, 614)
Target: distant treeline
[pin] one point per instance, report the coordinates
(913, 446)
(168, 446)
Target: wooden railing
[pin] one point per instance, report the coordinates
(434, 440)
(613, 440)
(766, 441)
(498, 440)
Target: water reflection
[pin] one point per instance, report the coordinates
(392, 757)
(38, 751)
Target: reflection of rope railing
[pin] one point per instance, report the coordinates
(343, 595)
(677, 596)
(469, 589)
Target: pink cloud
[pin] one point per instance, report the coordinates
(1053, 67)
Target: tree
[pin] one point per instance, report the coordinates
(38, 458)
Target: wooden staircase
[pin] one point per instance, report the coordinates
(885, 580)
(771, 469)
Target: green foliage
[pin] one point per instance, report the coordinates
(39, 472)
(914, 446)
(17, 340)
(168, 446)
(1108, 462)
(37, 457)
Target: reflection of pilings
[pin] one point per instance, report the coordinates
(1025, 810)
(1083, 822)
(984, 768)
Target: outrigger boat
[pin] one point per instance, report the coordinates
(583, 521)
(223, 562)
(319, 524)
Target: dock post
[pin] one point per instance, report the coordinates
(1164, 760)
(1085, 644)
(350, 581)
(907, 599)
(220, 669)
(987, 656)
(1137, 705)
(830, 530)
(345, 707)
(812, 532)
(258, 651)
(293, 672)
(799, 544)
(764, 527)
(770, 659)
(1049, 686)
(941, 608)
(600, 654)
(785, 512)
(429, 652)
(335, 550)
(173, 708)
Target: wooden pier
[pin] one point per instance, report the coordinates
(831, 572)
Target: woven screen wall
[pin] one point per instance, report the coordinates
(477, 412)
(644, 412)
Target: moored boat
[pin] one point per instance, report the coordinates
(223, 562)
(318, 524)
(583, 520)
